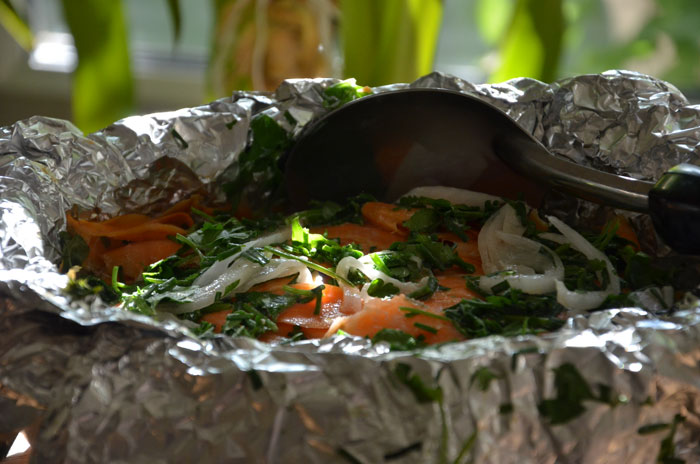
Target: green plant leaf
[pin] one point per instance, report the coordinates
(175, 17)
(492, 18)
(533, 43)
(389, 41)
(15, 25)
(102, 82)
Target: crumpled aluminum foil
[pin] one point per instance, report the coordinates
(94, 383)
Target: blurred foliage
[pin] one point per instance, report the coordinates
(102, 82)
(665, 43)
(390, 40)
(15, 25)
(550, 39)
(531, 44)
(382, 42)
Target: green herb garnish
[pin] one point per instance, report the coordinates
(380, 289)
(343, 92)
(399, 340)
(511, 313)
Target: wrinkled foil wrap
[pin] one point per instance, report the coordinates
(93, 383)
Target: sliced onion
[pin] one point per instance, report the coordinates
(556, 238)
(579, 301)
(533, 284)
(220, 267)
(503, 248)
(246, 272)
(583, 301)
(453, 195)
(366, 266)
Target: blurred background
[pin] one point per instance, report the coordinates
(95, 61)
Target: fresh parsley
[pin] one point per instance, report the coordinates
(343, 92)
(399, 340)
(380, 289)
(511, 313)
(571, 392)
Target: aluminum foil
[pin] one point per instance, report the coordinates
(93, 383)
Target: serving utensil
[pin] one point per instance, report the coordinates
(387, 143)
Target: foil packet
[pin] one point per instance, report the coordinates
(94, 383)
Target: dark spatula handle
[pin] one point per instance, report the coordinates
(674, 206)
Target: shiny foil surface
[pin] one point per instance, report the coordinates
(94, 383)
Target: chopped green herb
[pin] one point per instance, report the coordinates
(254, 313)
(230, 287)
(314, 266)
(255, 255)
(511, 313)
(343, 92)
(295, 335)
(176, 135)
(423, 221)
(467, 446)
(116, 285)
(505, 408)
(425, 327)
(74, 250)
(345, 454)
(667, 450)
(420, 390)
(500, 287)
(483, 377)
(572, 390)
(412, 312)
(255, 379)
(434, 214)
(403, 451)
(433, 253)
(257, 171)
(398, 340)
(205, 329)
(330, 213)
(318, 247)
(379, 289)
(653, 428)
(290, 119)
(81, 287)
(305, 296)
(425, 291)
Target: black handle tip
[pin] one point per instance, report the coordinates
(674, 206)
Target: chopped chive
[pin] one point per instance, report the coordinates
(314, 266)
(319, 298)
(116, 285)
(427, 328)
(186, 241)
(202, 214)
(178, 137)
(500, 287)
(315, 293)
(230, 287)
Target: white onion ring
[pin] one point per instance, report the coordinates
(503, 248)
(583, 301)
(220, 267)
(246, 272)
(453, 195)
(366, 266)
